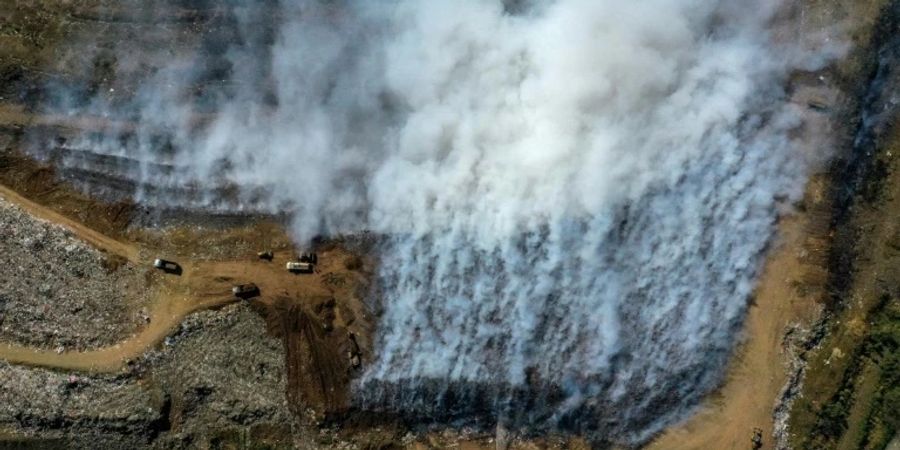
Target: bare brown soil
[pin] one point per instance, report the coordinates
(313, 314)
(293, 304)
(37, 183)
(98, 240)
(790, 295)
(316, 352)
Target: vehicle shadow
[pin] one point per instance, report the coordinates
(177, 270)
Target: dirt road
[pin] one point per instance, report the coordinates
(167, 312)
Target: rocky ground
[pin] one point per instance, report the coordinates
(58, 292)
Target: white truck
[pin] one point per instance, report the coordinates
(167, 266)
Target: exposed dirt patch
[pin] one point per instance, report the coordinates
(202, 284)
(221, 387)
(787, 295)
(314, 317)
(318, 355)
(200, 376)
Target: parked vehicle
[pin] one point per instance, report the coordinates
(167, 266)
(245, 291)
(757, 439)
(300, 267)
(353, 352)
(266, 255)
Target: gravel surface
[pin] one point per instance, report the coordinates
(58, 292)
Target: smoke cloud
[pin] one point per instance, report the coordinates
(575, 195)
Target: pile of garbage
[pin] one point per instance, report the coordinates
(57, 292)
(218, 370)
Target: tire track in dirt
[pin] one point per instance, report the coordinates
(168, 309)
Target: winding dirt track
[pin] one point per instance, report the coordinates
(202, 285)
(759, 368)
(166, 313)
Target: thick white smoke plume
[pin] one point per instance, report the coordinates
(575, 194)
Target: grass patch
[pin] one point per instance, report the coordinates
(864, 410)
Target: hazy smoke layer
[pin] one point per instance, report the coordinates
(576, 193)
